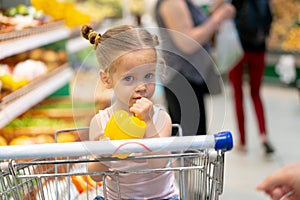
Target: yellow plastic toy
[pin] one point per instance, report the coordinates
(121, 126)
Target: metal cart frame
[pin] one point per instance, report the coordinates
(197, 161)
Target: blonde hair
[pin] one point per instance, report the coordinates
(118, 41)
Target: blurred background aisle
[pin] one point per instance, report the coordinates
(243, 171)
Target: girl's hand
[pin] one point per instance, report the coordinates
(143, 109)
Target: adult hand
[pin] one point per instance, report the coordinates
(216, 4)
(224, 12)
(282, 182)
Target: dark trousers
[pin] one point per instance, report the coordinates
(186, 105)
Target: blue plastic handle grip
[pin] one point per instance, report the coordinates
(224, 141)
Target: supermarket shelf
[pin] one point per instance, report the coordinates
(76, 44)
(42, 89)
(273, 58)
(18, 45)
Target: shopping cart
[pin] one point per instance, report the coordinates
(197, 162)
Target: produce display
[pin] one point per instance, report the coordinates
(25, 140)
(84, 183)
(285, 30)
(74, 13)
(36, 130)
(21, 17)
(291, 43)
(3, 141)
(100, 9)
(39, 124)
(21, 69)
(63, 107)
(63, 10)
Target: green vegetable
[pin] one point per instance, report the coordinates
(38, 122)
(8, 184)
(65, 106)
(22, 9)
(11, 12)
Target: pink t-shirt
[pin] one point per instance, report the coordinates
(155, 185)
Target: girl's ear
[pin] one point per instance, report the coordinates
(106, 80)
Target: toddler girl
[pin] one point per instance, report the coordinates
(127, 56)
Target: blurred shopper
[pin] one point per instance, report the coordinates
(253, 21)
(192, 63)
(283, 184)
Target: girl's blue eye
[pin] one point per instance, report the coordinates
(149, 76)
(128, 78)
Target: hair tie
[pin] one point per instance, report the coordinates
(155, 39)
(92, 33)
(97, 38)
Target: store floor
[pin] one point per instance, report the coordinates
(243, 171)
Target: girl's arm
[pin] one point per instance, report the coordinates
(97, 167)
(94, 130)
(162, 127)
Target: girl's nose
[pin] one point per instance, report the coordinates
(141, 87)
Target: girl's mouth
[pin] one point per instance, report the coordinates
(136, 98)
